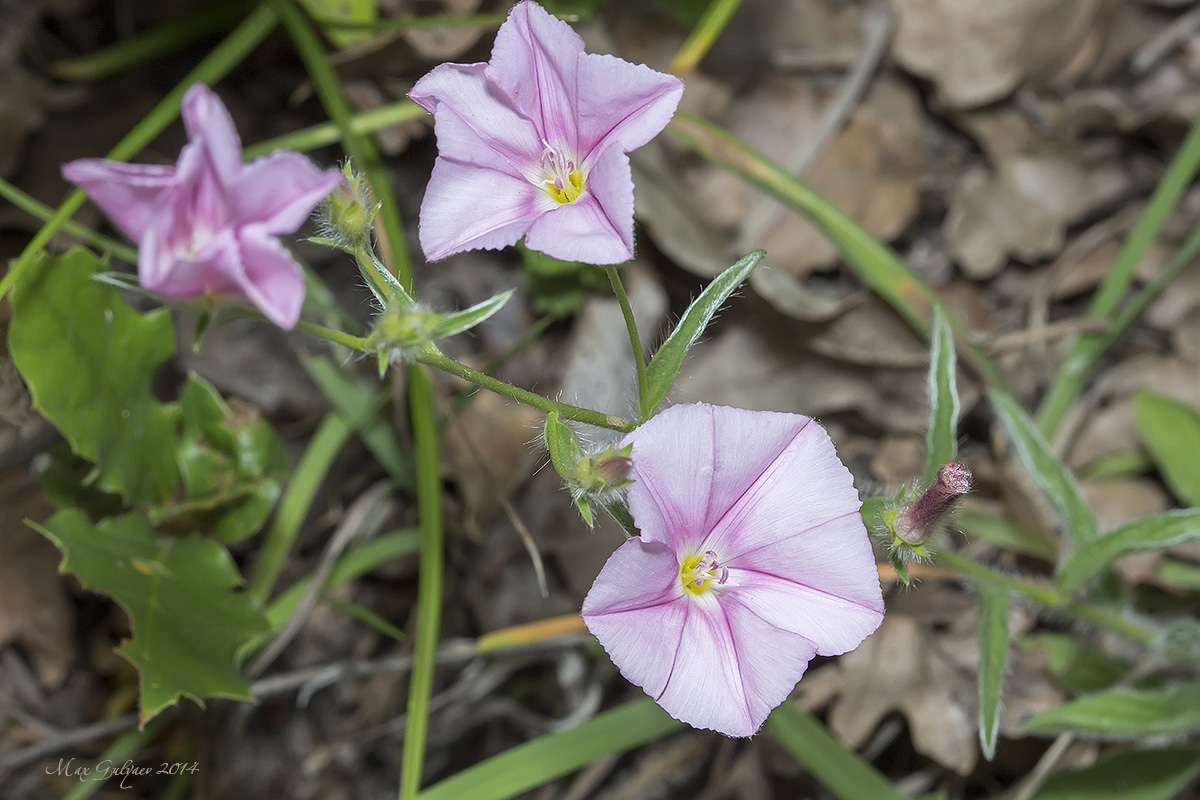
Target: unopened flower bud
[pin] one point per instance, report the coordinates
(349, 211)
(600, 472)
(402, 330)
(916, 521)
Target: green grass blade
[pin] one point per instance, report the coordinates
(668, 359)
(367, 617)
(941, 442)
(843, 772)
(875, 263)
(1124, 714)
(1052, 477)
(360, 146)
(548, 757)
(1134, 775)
(1171, 430)
(121, 749)
(208, 20)
(429, 582)
(45, 213)
(327, 133)
(993, 656)
(1151, 533)
(324, 447)
(1071, 374)
(223, 58)
(1005, 534)
(701, 39)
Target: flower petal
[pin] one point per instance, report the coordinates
(211, 128)
(476, 123)
(279, 191)
(468, 206)
(636, 609)
(733, 667)
(832, 623)
(627, 104)
(272, 280)
(128, 193)
(535, 60)
(598, 227)
(685, 483)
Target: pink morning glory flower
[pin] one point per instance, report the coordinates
(753, 559)
(533, 144)
(209, 224)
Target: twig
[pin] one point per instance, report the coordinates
(1164, 42)
(61, 741)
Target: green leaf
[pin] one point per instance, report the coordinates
(1125, 714)
(89, 360)
(468, 318)
(1078, 667)
(188, 620)
(1152, 533)
(1134, 775)
(993, 656)
(1050, 475)
(548, 757)
(559, 287)
(563, 444)
(840, 770)
(1005, 534)
(664, 366)
(1172, 432)
(941, 442)
(358, 11)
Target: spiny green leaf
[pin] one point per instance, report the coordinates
(89, 360)
(1050, 475)
(1125, 714)
(664, 366)
(1151, 533)
(941, 442)
(1172, 432)
(187, 617)
(993, 655)
(1134, 775)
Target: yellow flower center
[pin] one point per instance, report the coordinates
(701, 572)
(561, 176)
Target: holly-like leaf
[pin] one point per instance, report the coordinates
(180, 593)
(89, 359)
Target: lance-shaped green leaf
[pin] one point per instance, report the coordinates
(180, 593)
(1134, 775)
(89, 360)
(468, 318)
(1172, 432)
(1051, 476)
(565, 452)
(1151, 533)
(941, 442)
(664, 366)
(1125, 714)
(993, 656)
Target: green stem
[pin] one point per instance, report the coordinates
(326, 443)
(41, 211)
(326, 133)
(361, 147)
(223, 58)
(701, 39)
(1049, 598)
(1068, 383)
(429, 581)
(635, 341)
(332, 335)
(600, 420)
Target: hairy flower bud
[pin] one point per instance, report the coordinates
(349, 211)
(918, 520)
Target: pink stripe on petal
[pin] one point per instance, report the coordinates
(279, 191)
(273, 281)
(535, 60)
(467, 207)
(476, 122)
(210, 127)
(128, 193)
(637, 610)
(832, 623)
(627, 104)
